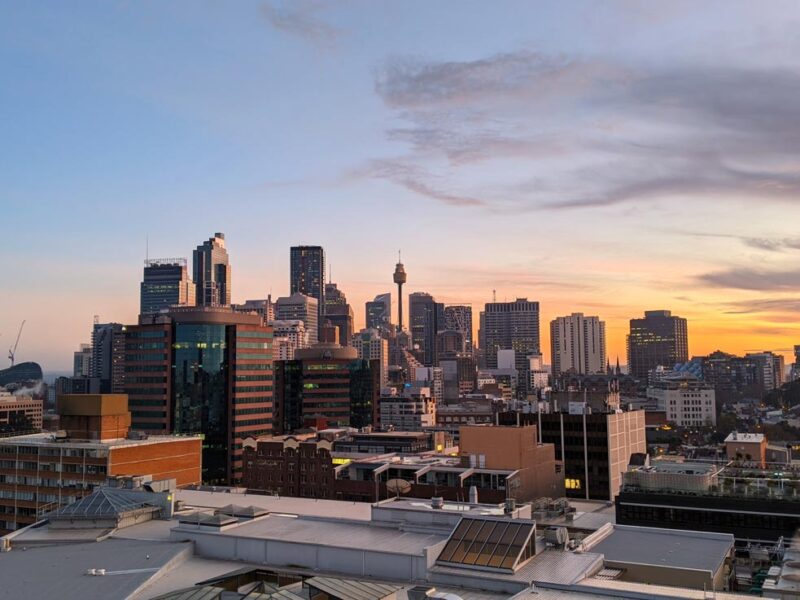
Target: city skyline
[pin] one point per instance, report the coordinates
(588, 164)
(700, 334)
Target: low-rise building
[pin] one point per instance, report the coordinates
(747, 447)
(40, 472)
(408, 411)
(733, 498)
(19, 414)
(687, 401)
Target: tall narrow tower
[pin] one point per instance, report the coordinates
(399, 278)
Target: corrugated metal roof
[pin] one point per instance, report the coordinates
(347, 589)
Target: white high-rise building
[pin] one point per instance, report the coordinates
(289, 335)
(371, 346)
(303, 308)
(578, 344)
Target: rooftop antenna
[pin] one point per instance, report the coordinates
(97, 319)
(494, 296)
(330, 273)
(147, 248)
(399, 256)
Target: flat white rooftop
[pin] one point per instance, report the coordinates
(339, 534)
(360, 511)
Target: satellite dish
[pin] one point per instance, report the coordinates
(398, 486)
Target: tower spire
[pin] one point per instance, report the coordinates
(400, 278)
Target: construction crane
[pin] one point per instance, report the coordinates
(12, 351)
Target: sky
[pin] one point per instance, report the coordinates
(599, 157)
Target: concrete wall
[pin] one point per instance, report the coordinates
(669, 576)
(355, 562)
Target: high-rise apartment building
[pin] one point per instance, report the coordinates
(458, 317)
(426, 318)
(770, 369)
(300, 307)
(202, 370)
(82, 360)
(578, 344)
(307, 275)
(108, 355)
(212, 273)
(379, 312)
(510, 326)
(659, 339)
(370, 345)
(165, 284)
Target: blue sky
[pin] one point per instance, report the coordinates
(604, 157)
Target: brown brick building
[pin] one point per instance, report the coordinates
(40, 472)
(508, 462)
(326, 381)
(518, 449)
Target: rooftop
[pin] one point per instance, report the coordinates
(48, 439)
(664, 547)
(339, 533)
(128, 564)
(359, 511)
(745, 437)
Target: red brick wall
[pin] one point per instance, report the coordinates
(180, 460)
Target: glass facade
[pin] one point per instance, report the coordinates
(200, 394)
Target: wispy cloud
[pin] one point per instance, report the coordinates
(745, 278)
(598, 133)
(765, 305)
(299, 18)
(769, 244)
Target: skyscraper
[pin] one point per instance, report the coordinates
(212, 273)
(108, 356)
(165, 284)
(339, 312)
(657, 340)
(82, 360)
(302, 307)
(378, 312)
(426, 318)
(307, 275)
(202, 371)
(578, 344)
(458, 317)
(510, 326)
